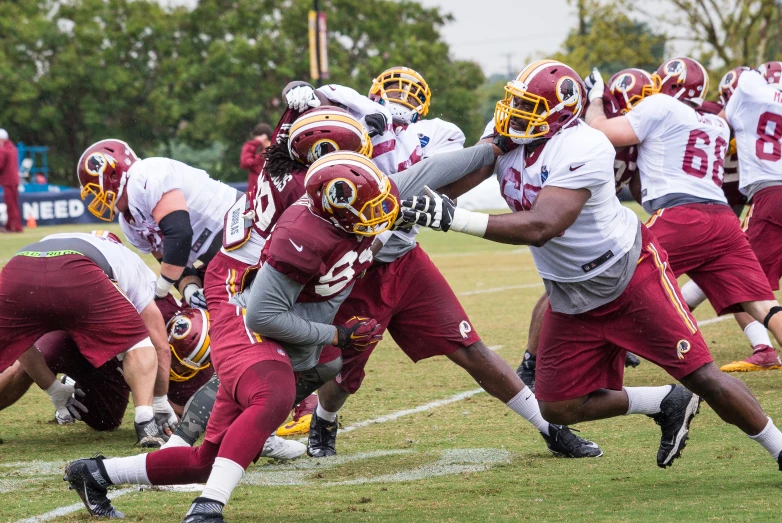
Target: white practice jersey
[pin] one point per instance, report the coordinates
(578, 157)
(394, 150)
(131, 274)
(755, 113)
(207, 202)
(681, 150)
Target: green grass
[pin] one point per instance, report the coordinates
(722, 475)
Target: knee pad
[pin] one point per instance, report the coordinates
(312, 379)
(775, 309)
(198, 409)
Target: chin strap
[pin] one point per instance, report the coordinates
(773, 311)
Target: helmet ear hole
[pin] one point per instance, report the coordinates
(563, 118)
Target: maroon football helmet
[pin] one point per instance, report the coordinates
(630, 86)
(326, 130)
(729, 82)
(188, 338)
(347, 189)
(103, 173)
(684, 79)
(772, 72)
(545, 97)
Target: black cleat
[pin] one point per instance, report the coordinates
(204, 510)
(676, 412)
(779, 460)
(149, 435)
(526, 371)
(90, 481)
(322, 441)
(631, 360)
(562, 442)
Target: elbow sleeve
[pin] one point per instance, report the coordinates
(178, 234)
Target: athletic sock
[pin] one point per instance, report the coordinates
(646, 400)
(132, 469)
(175, 440)
(693, 295)
(771, 439)
(525, 405)
(757, 334)
(144, 413)
(223, 479)
(325, 414)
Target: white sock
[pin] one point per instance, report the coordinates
(223, 479)
(646, 400)
(525, 405)
(693, 294)
(770, 438)
(144, 413)
(325, 414)
(757, 334)
(132, 469)
(176, 441)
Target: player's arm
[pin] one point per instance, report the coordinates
(618, 130)
(555, 209)
(64, 396)
(173, 218)
(156, 326)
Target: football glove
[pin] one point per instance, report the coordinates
(595, 85)
(376, 123)
(165, 417)
(194, 296)
(302, 98)
(434, 210)
(358, 333)
(67, 407)
(504, 143)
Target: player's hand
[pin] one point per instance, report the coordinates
(595, 85)
(433, 210)
(67, 407)
(504, 143)
(165, 417)
(358, 333)
(376, 122)
(194, 296)
(302, 98)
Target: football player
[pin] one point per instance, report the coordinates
(309, 263)
(101, 294)
(680, 157)
(166, 208)
(607, 277)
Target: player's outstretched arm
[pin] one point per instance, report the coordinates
(618, 130)
(173, 218)
(153, 319)
(555, 209)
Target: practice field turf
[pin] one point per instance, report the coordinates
(459, 455)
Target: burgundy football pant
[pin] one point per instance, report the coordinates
(14, 223)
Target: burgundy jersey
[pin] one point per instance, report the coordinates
(315, 253)
(730, 182)
(273, 197)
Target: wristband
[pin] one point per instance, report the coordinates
(160, 401)
(468, 222)
(163, 286)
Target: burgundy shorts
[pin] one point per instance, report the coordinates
(105, 389)
(234, 347)
(70, 293)
(411, 299)
(706, 242)
(763, 226)
(581, 353)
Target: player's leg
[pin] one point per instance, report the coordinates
(14, 383)
(139, 366)
(526, 369)
(196, 415)
(764, 356)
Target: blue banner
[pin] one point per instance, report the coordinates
(59, 208)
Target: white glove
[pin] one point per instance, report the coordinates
(595, 85)
(66, 405)
(165, 417)
(194, 296)
(302, 98)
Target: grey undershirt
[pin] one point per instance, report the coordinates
(302, 328)
(73, 244)
(753, 188)
(674, 200)
(583, 296)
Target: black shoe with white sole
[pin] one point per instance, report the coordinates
(204, 510)
(89, 479)
(631, 360)
(526, 371)
(676, 412)
(562, 442)
(323, 437)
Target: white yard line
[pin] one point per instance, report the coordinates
(500, 289)
(714, 320)
(62, 511)
(521, 250)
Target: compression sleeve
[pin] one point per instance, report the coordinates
(178, 236)
(271, 298)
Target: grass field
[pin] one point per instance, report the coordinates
(465, 459)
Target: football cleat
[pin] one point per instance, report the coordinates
(779, 460)
(302, 416)
(526, 371)
(90, 481)
(562, 442)
(763, 358)
(285, 449)
(322, 442)
(631, 360)
(149, 435)
(676, 412)
(204, 509)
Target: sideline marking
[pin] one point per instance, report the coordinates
(500, 289)
(62, 511)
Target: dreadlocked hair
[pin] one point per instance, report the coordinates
(279, 163)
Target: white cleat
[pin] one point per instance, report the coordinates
(285, 449)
